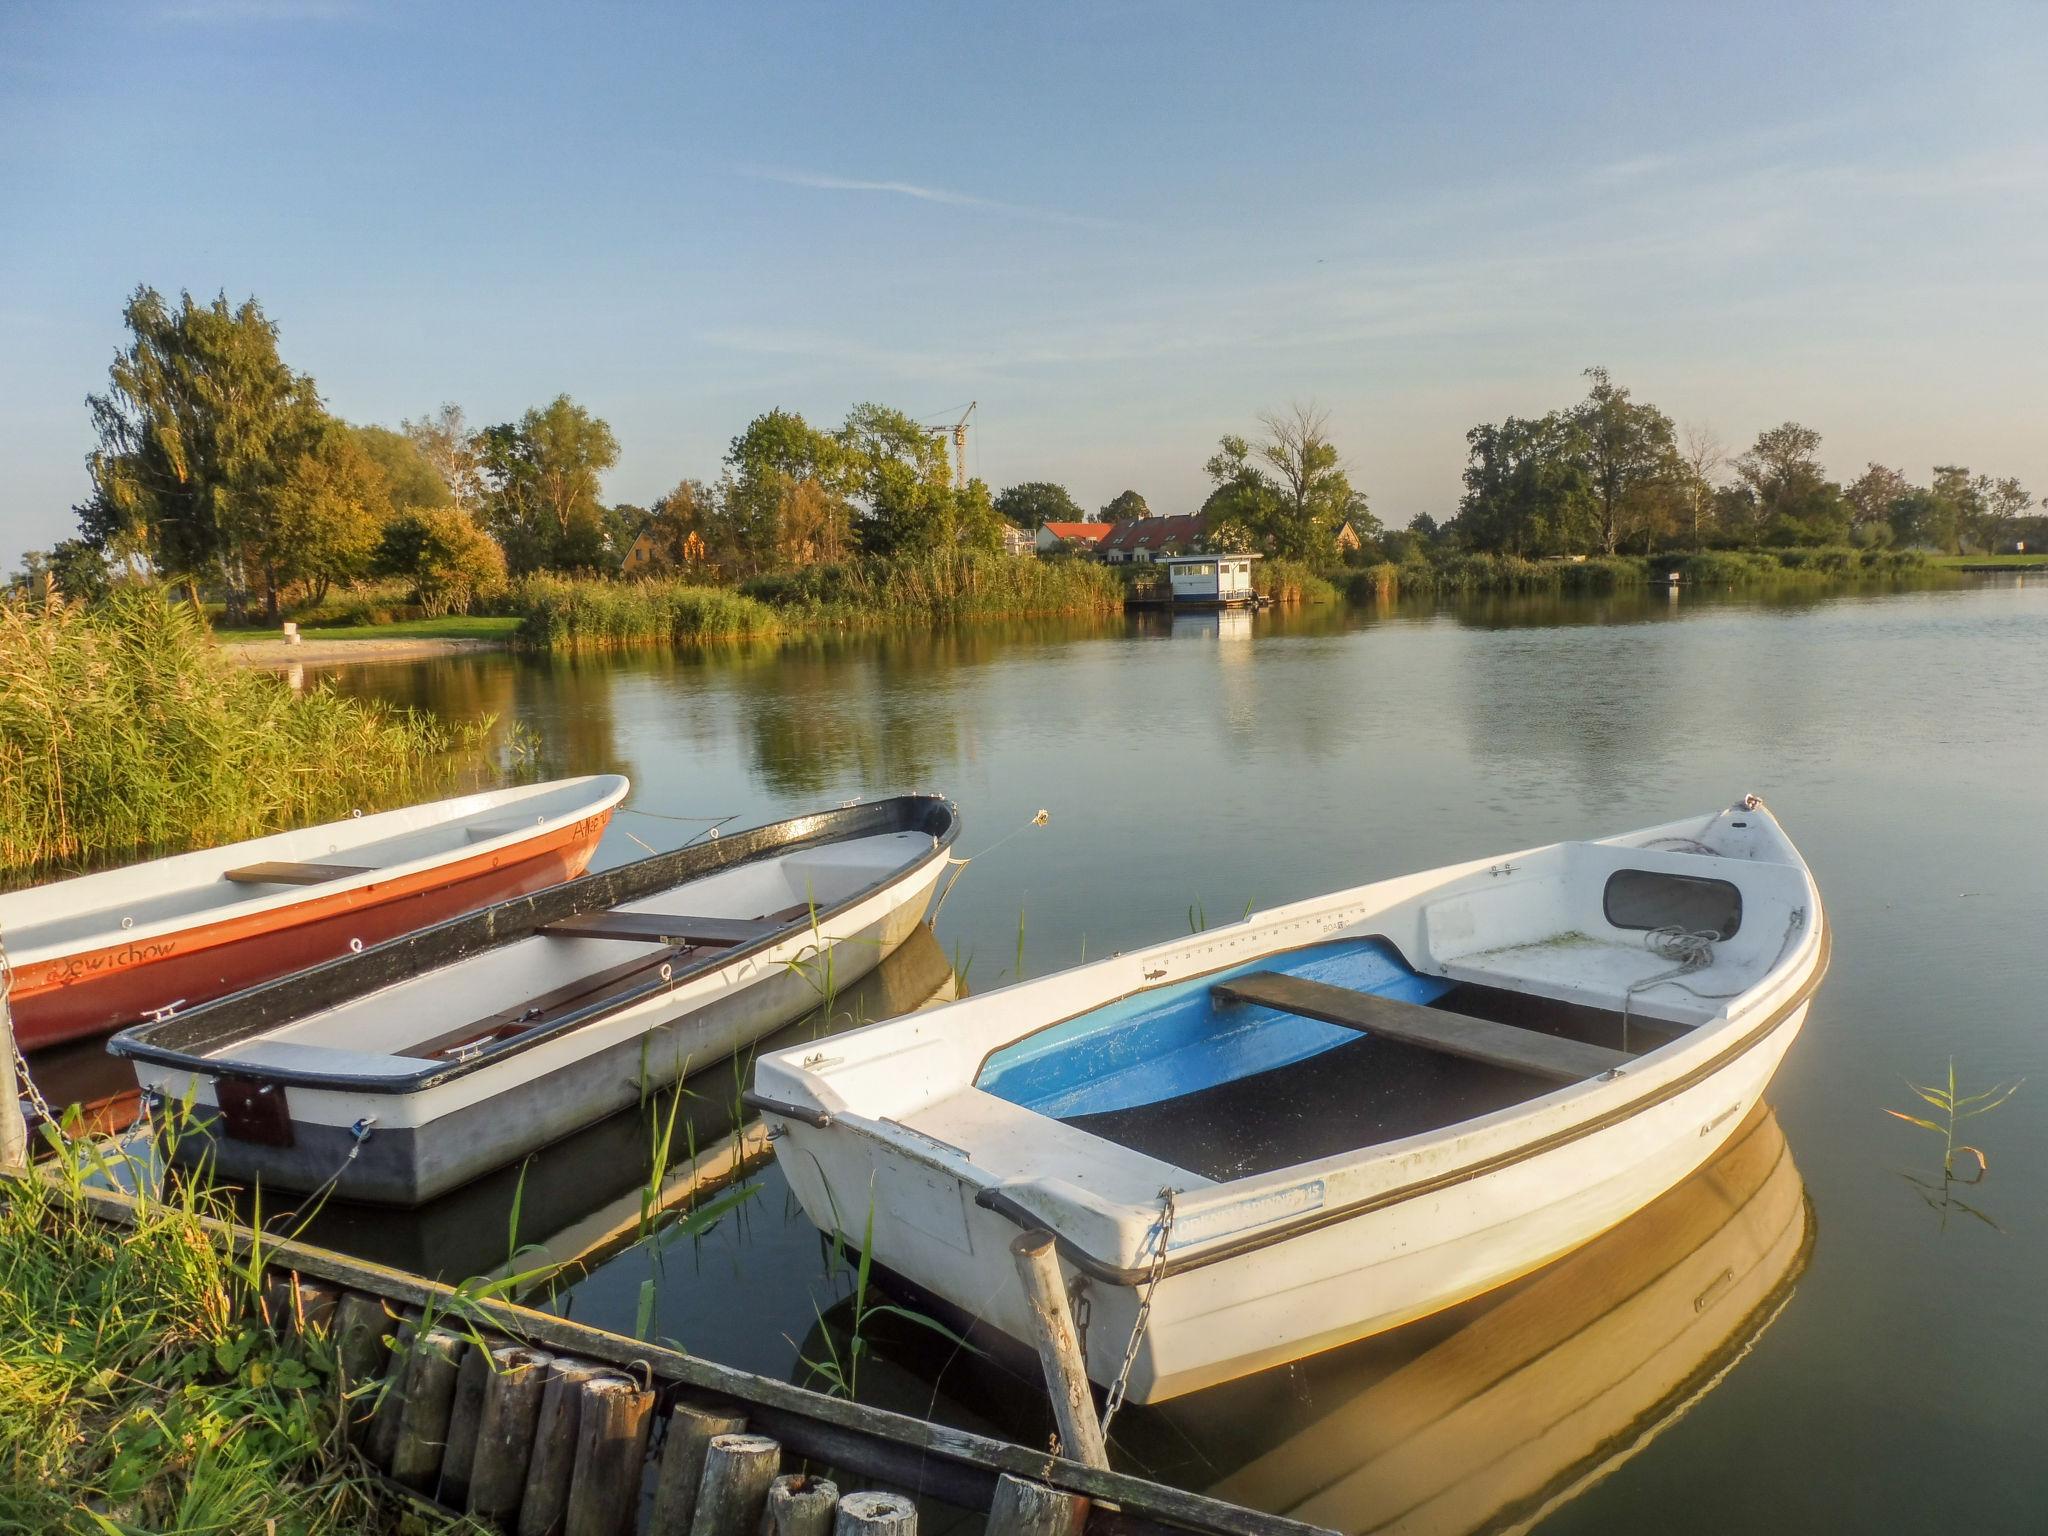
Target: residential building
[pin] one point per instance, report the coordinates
(1018, 541)
(1146, 539)
(1081, 538)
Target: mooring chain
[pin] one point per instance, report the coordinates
(25, 1083)
(1115, 1400)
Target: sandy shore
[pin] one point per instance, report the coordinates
(329, 653)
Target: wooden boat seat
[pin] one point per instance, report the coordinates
(663, 928)
(1500, 1045)
(284, 872)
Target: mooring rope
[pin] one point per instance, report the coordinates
(959, 864)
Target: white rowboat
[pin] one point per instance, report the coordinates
(402, 1072)
(1330, 1118)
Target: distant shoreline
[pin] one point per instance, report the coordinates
(326, 653)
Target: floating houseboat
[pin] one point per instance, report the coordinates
(1209, 581)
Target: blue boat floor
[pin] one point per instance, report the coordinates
(1363, 1093)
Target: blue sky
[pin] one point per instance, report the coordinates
(1124, 229)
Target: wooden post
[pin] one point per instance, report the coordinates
(313, 1304)
(429, 1390)
(875, 1514)
(611, 1457)
(13, 1128)
(734, 1490)
(1059, 1349)
(504, 1432)
(381, 1441)
(800, 1505)
(689, 1435)
(361, 1352)
(1031, 1509)
(546, 1499)
(465, 1418)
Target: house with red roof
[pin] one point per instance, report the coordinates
(1081, 538)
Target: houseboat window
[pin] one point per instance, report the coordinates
(1642, 898)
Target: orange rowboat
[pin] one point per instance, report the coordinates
(102, 951)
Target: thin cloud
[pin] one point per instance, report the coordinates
(923, 194)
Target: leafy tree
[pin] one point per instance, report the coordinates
(896, 471)
(324, 521)
(1527, 490)
(446, 442)
(784, 499)
(1872, 498)
(1124, 507)
(410, 477)
(2000, 505)
(197, 429)
(1037, 502)
(1795, 502)
(76, 567)
(1632, 464)
(1285, 495)
(1425, 528)
(542, 479)
(442, 553)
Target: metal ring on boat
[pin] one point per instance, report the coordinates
(355, 946)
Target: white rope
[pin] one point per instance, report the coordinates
(958, 864)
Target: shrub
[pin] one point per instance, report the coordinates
(443, 554)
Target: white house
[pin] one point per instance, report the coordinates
(1217, 581)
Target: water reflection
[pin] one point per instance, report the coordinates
(1484, 1418)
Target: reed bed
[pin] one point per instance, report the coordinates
(568, 614)
(145, 1390)
(1292, 581)
(125, 733)
(1458, 571)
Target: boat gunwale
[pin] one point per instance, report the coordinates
(240, 1015)
(991, 1197)
(197, 923)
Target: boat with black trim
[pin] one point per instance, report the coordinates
(396, 1074)
(1331, 1118)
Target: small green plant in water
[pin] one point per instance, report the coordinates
(1955, 1107)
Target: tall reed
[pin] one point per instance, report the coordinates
(125, 732)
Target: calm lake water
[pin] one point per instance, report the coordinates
(1872, 1354)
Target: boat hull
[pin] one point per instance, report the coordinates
(96, 990)
(407, 1149)
(1345, 1281)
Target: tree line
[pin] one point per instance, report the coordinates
(1613, 474)
(218, 464)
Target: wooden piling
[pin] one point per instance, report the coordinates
(465, 1419)
(800, 1505)
(1059, 1349)
(428, 1396)
(545, 1500)
(361, 1352)
(380, 1442)
(734, 1489)
(611, 1457)
(313, 1304)
(875, 1514)
(1024, 1508)
(504, 1432)
(691, 1429)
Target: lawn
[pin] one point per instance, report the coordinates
(1988, 562)
(457, 626)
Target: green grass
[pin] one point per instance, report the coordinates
(1986, 562)
(126, 732)
(145, 1390)
(456, 626)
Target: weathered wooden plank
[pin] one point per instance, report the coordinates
(285, 872)
(807, 1423)
(1499, 1045)
(661, 928)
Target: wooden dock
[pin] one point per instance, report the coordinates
(542, 1426)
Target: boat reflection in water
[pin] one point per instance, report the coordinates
(1486, 1417)
(579, 1199)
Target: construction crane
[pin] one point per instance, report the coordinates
(958, 432)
